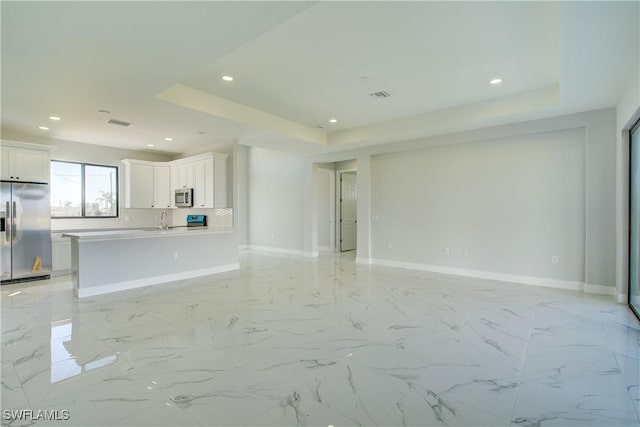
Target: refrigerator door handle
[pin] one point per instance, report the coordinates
(7, 226)
(13, 223)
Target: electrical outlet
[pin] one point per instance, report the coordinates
(465, 252)
(273, 237)
(447, 251)
(555, 259)
(175, 255)
(388, 245)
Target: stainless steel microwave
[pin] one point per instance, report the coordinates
(184, 198)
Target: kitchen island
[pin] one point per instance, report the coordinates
(110, 261)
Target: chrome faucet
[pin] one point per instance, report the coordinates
(163, 220)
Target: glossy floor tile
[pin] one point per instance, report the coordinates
(295, 341)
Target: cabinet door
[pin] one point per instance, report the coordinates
(190, 175)
(181, 175)
(6, 165)
(140, 186)
(203, 185)
(200, 185)
(174, 185)
(184, 176)
(31, 165)
(162, 187)
(60, 255)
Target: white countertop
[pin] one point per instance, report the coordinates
(143, 233)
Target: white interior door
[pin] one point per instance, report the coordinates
(348, 211)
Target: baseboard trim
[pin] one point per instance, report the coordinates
(622, 298)
(489, 275)
(149, 281)
(243, 247)
(367, 261)
(600, 290)
(479, 274)
(277, 250)
(59, 273)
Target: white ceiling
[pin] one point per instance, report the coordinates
(297, 64)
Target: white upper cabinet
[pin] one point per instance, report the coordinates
(138, 184)
(152, 184)
(162, 187)
(24, 164)
(184, 177)
(146, 185)
(203, 179)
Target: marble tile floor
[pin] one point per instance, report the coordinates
(290, 341)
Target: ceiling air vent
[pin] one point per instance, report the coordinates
(118, 122)
(381, 94)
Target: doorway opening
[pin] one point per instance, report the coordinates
(348, 211)
(336, 204)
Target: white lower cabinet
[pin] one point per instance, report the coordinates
(60, 254)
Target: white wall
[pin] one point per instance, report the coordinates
(325, 192)
(275, 199)
(511, 203)
(241, 192)
(598, 187)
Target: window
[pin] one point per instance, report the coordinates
(83, 190)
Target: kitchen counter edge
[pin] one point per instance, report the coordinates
(145, 233)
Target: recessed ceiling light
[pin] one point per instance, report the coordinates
(104, 111)
(333, 120)
(54, 118)
(227, 78)
(43, 128)
(168, 139)
(150, 145)
(495, 81)
(202, 133)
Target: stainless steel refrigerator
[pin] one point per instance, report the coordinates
(25, 228)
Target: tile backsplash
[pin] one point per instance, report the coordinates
(222, 217)
(132, 218)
